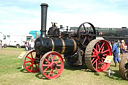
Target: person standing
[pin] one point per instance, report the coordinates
(115, 52)
(26, 46)
(32, 44)
(122, 47)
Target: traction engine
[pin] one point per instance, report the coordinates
(75, 47)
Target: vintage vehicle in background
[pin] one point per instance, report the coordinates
(3, 42)
(17, 40)
(35, 33)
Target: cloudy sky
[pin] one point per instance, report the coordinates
(21, 16)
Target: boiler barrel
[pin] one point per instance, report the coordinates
(63, 46)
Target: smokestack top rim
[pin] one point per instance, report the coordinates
(44, 4)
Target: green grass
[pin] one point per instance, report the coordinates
(11, 73)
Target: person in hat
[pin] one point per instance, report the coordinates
(122, 47)
(115, 52)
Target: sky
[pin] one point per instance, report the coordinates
(22, 16)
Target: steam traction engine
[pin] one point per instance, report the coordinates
(78, 48)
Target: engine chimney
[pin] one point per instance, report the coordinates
(43, 19)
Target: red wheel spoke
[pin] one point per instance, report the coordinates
(103, 58)
(57, 61)
(102, 46)
(57, 69)
(104, 54)
(31, 55)
(105, 51)
(95, 50)
(50, 72)
(100, 62)
(94, 61)
(46, 65)
(29, 58)
(46, 69)
(97, 47)
(47, 60)
(54, 57)
(102, 49)
(93, 56)
(30, 65)
(27, 61)
(96, 65)
(51, 57)
(59, 65)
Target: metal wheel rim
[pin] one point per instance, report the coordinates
(30, 65)
(96, 53)
(51, 65)
(87, 37)
(122, 69)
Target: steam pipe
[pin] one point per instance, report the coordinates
(43, 19)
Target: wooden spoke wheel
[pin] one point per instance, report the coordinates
(86, 33)
(51, 65)
(95, 54)
(29, 62)
(123, 67)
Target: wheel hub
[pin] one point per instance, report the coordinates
(54, 65)
(100, 55)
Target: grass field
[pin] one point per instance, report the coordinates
(11, 73)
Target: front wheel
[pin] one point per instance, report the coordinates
(51, 65)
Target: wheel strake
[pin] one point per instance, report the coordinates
(51, 65)
(29, 62)
(123, 67)
(95, 54)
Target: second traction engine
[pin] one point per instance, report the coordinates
(76, 47)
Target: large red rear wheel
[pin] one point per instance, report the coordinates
(96, 53)
(51, 65)
(29, 62)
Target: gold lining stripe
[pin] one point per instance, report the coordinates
(53, 46)
(63, 49)
(75, 46)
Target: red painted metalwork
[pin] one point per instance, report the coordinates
(96, 53)
(99, 54)
(51, 65)
(29, 62)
